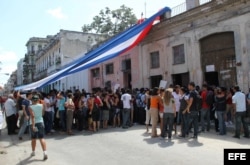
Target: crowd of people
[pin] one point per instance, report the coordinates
(191, 107)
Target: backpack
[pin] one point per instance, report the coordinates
(209, 98)
(198, 101)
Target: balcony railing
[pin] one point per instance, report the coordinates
(183, 8)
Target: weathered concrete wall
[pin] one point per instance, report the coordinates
(188, 28)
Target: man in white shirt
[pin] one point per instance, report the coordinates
(239, 104)
(48, 121)
(126, 99)
(10, 110)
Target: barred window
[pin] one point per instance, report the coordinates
(179, 54)
(155, 59)
(110, 68)
(95, 72)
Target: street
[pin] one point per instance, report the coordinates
(119, 146)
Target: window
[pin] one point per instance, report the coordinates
(155, 60)
(95, 72)
(179, 54)
(230, 62)
(126, 65)
(110, 68)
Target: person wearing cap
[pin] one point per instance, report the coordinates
(10, 110)
(239, 107)
(37, 111)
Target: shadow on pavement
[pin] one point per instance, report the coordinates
(28, 160)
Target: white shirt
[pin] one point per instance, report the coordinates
(47, 108)
(10, 107)
(177, 101)
(126, 98)
(239, 99)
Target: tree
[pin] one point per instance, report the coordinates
(111, 22)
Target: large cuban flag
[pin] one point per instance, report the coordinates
(112, 48)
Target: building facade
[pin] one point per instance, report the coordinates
(210, 42)
(61, 50)
(122, 71)
(34, 45)
(20, 72)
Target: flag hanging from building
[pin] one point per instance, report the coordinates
(112, 48)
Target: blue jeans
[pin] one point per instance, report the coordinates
(168, 122)
(125, 117)
(240, 118)
(23, 127)
(48, 121)
(221, 119)
(193, 119)
(62, 116)
(205, 114)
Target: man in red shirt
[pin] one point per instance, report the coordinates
(205, 109)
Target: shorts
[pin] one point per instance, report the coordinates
(39, 133)
(117, 112)
(96, 115)
(161, 114)
(105, 115)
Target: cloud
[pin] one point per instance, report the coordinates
(57, 13)
(8, 61)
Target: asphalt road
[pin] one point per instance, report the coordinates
(115, 146)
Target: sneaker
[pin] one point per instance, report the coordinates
(32, 154)
(45, 157)
(52, 131)
(20, 138)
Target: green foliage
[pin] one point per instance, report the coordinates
(111, 22)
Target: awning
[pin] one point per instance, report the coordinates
(112, 48)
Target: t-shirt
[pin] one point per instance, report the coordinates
(193, 95)
(38, 113)
(61, 104)
(204, 96)
(169, 108)
(10, 107)
(26, 103)
(47, 108)
(177, 101)
(239, 99)
(126, 99)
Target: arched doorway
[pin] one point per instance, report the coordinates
(218, 59)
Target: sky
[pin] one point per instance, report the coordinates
(23, 19)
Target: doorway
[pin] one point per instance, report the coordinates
(212, 78)
(155, 80)
(181, 79)
(218, 50)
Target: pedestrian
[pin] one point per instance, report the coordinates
(25, 108)
(155, 103)
(37, 111)
(192, 109)
(205, 109)
(221, 106)
(184, 95)
(48, 121)
(239, 107)
(169, 113)
(69, 104)
(147, 108)
(105, 109)
(126, 98)
(10, 110)
(117, 111)
(61, 109)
